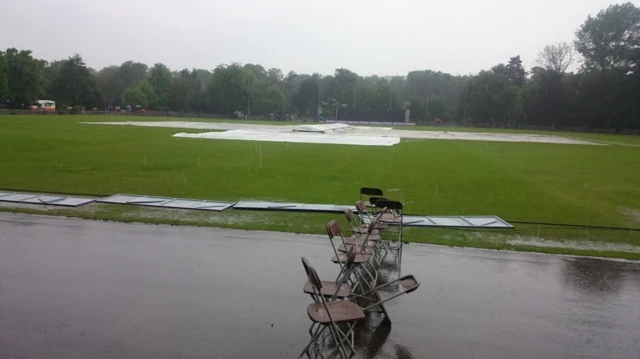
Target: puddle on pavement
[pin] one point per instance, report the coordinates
(101, 289)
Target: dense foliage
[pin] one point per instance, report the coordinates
(603, 93)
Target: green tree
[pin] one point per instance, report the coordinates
(307, 96)
(135, 97)
(516, 71)
(74, 84)
(437, 108)
(345, 86)
(202, 75)
(160, 79)
(4, 79)
(513, 70)
(25, 79)
(290, 84)
(420, 86)
(262, 81)
(51, 72)
(610, 40)
(275, 76)
(229, 89)
(493, 98)
(132, 73)
(149, 93)
(179, 99)
(186, 91)
(380, 96)
(141, 95)
(544, 98)
(110, 84)
(275, 99)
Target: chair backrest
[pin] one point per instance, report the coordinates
(349, 215)
(305, 265)
(374, 200)
(351, 256)
(371, 228)
(312, 275)
(370, 191)
(374, 222)
(361, 207)
(351, 219)
(333, 229)
(316, 285)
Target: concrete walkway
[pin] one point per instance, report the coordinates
(87, 289)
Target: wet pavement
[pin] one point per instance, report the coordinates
(73, 288)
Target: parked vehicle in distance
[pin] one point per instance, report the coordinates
(43, 105)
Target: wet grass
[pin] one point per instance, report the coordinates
(304, 223)
(584, 185)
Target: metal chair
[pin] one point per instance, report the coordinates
(407, 284)
(365, 217)
(393, 217)
(370, 191)
(364, 257)
(329, 315)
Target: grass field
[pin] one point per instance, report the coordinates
(583, 185)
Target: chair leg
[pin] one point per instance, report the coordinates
(345, 338)
(315, 336)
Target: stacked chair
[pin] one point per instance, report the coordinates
(340, 304)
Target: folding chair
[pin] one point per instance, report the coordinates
(408, 284)
(364, 254)
(373, 200)
(370, 191)
(360, 232)
(367, 241)
(329, 315)
(365, 217)
(340, 289)
(359, 229)
(393, 217)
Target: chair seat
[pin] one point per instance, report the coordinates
(329, 289)
(341, 312)
(367, 250)
(363, 229)
(379, 226)
(409, 283)
(372, 236)
(359, 241)
(390, 218)
(342, 258)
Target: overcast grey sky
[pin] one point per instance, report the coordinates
(365, 36)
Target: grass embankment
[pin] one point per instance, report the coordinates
(585, 185)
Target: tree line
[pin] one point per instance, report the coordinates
(603, 93)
